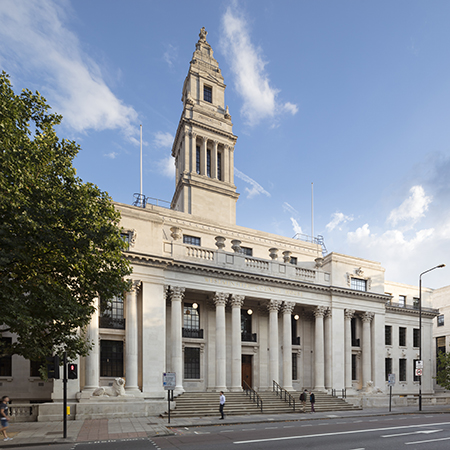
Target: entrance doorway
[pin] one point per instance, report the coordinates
(247, 370)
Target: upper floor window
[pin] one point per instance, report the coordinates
(440, 320)
(402, 369)
(247, 251)
(293, 260)
(388, 335)
(197, 159)
(191, 316)
(126, 238)
(219, 166)
(358, 284)
(402, 336)
(207, 94)
(111, 313)
(402, 300)
(191, 240)
(416, 337)
(208, 163)
(416, 302)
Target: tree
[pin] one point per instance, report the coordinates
(60, 241)
(443, 370)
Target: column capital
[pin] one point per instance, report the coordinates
(193, 134)
(273, 305)
(367, 317)
(135, 285)
(220, 299)
(319, 311)
(237, 300)
(288, 307)
(177, 293)
(328, 313)
(349, 314)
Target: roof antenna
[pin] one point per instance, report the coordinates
(141, 196)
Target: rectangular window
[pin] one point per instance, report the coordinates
(440, 347)
(355, 342)
(354, 371)
(415, 377)
(247, 251)
(219, 166)
(294, 366)
(191, 240)
(387, 368)
(402, 369)
(126, 238)
(208, 163)
(293, 260)
(358, 284)
(207, 94)
(197, 159)
(34, 368)
(111, 358)
(440, 320)
(191, 363)
(416, 337)
(402, 336)
(387, 335)
(5, 359)
(416, 302)
(402, 301)
(191, 321)
(295, 337)
(246, 327)
(111, 314)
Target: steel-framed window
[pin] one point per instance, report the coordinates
(192, 362)
(111, 358)
(358, 284)
(207, 93)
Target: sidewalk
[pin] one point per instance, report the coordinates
(44, 433)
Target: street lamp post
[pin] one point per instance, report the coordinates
(420, 328)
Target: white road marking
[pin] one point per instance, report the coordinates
(248, 429)
(340, 433)
(270, 428)
(429, 440)
(413, 432)
(227, 431)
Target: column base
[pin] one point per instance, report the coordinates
(134, 391)
(223, 389)
(236, 389)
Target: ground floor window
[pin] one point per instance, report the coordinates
(387, 368)
(111, 358)
(5, 359)
(402, 369)
(440, 347)
(192, 362)
(354, 368)
(294, 366)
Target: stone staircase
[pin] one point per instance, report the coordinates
(203, 404)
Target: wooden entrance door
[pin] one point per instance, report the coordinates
(247, 370)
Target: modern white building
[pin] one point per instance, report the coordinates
(224, 306)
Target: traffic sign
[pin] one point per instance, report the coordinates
(419, 372)
(169, 381)
(391, 379)
(419, 364)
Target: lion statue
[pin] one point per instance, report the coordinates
(116, 390)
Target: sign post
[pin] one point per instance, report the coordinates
(391, 382)
(169, 383)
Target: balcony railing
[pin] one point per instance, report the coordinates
(110, 322)
(356, 343)
(413, 307)
(248, 337)
(194, 333)
(296, 340)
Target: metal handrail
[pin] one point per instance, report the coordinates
(283, 394)
(335, 393)
(253, 395)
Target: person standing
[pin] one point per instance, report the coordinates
(312, 399)
(4, 419)
(303, 399)
(222, 405)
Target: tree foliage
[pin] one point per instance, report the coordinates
(443, 372)
(60, 242)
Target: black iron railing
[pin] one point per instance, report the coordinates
(296, 340)
(356, 343)
(248, 337)
(192, 333)
(335, 393)
(253, 395)
(283, 394)
(110, 322)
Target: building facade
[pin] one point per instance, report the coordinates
(225, 307)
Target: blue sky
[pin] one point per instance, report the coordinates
(350, 95)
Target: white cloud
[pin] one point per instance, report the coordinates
(170, 55)
(248, 67)
(297, 228)
(255, 189)
(164, 140)
(112, 155)
(338, 218)
(35, 39)
(166, 166)
(290, 209)
(412, 209)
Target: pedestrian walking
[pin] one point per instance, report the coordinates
(303, 397)
(4, 417)
(222, 405)
(312, 399)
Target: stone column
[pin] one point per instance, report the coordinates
(366, 348)
(319, 381)
(93, 359)
(274, 306)
(131, 339)
(236, 342)
(191, 161)
(177, 294)
(214, 160)
(287, 309)
(203, 156)
(349, 313)
(220, 300)
(328, 349)
(231, 168)
(226, 163)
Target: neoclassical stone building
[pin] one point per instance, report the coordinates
(224, 306)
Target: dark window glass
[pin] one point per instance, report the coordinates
(111, 358)
(416, 337)
(294, 366)
(192, 363)
(111, 313)
(295, 337)
(208, 163)
(126, 239)
(5, 359)
(387, 335)
(402, 369)
(247, 251)
(219, 166)
(416, 302)
(207, 94)
(355, 341)
(387, 368)
(191, 317)
(293, 260)
(440, 347)
(197, 159)
(34, 368)
(358, 284)
(246, 327)
(354, 367)
(191, 240)
(440, 320)
(402, 336)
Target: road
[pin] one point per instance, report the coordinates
(409, 432)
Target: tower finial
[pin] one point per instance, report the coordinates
(202, 34)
